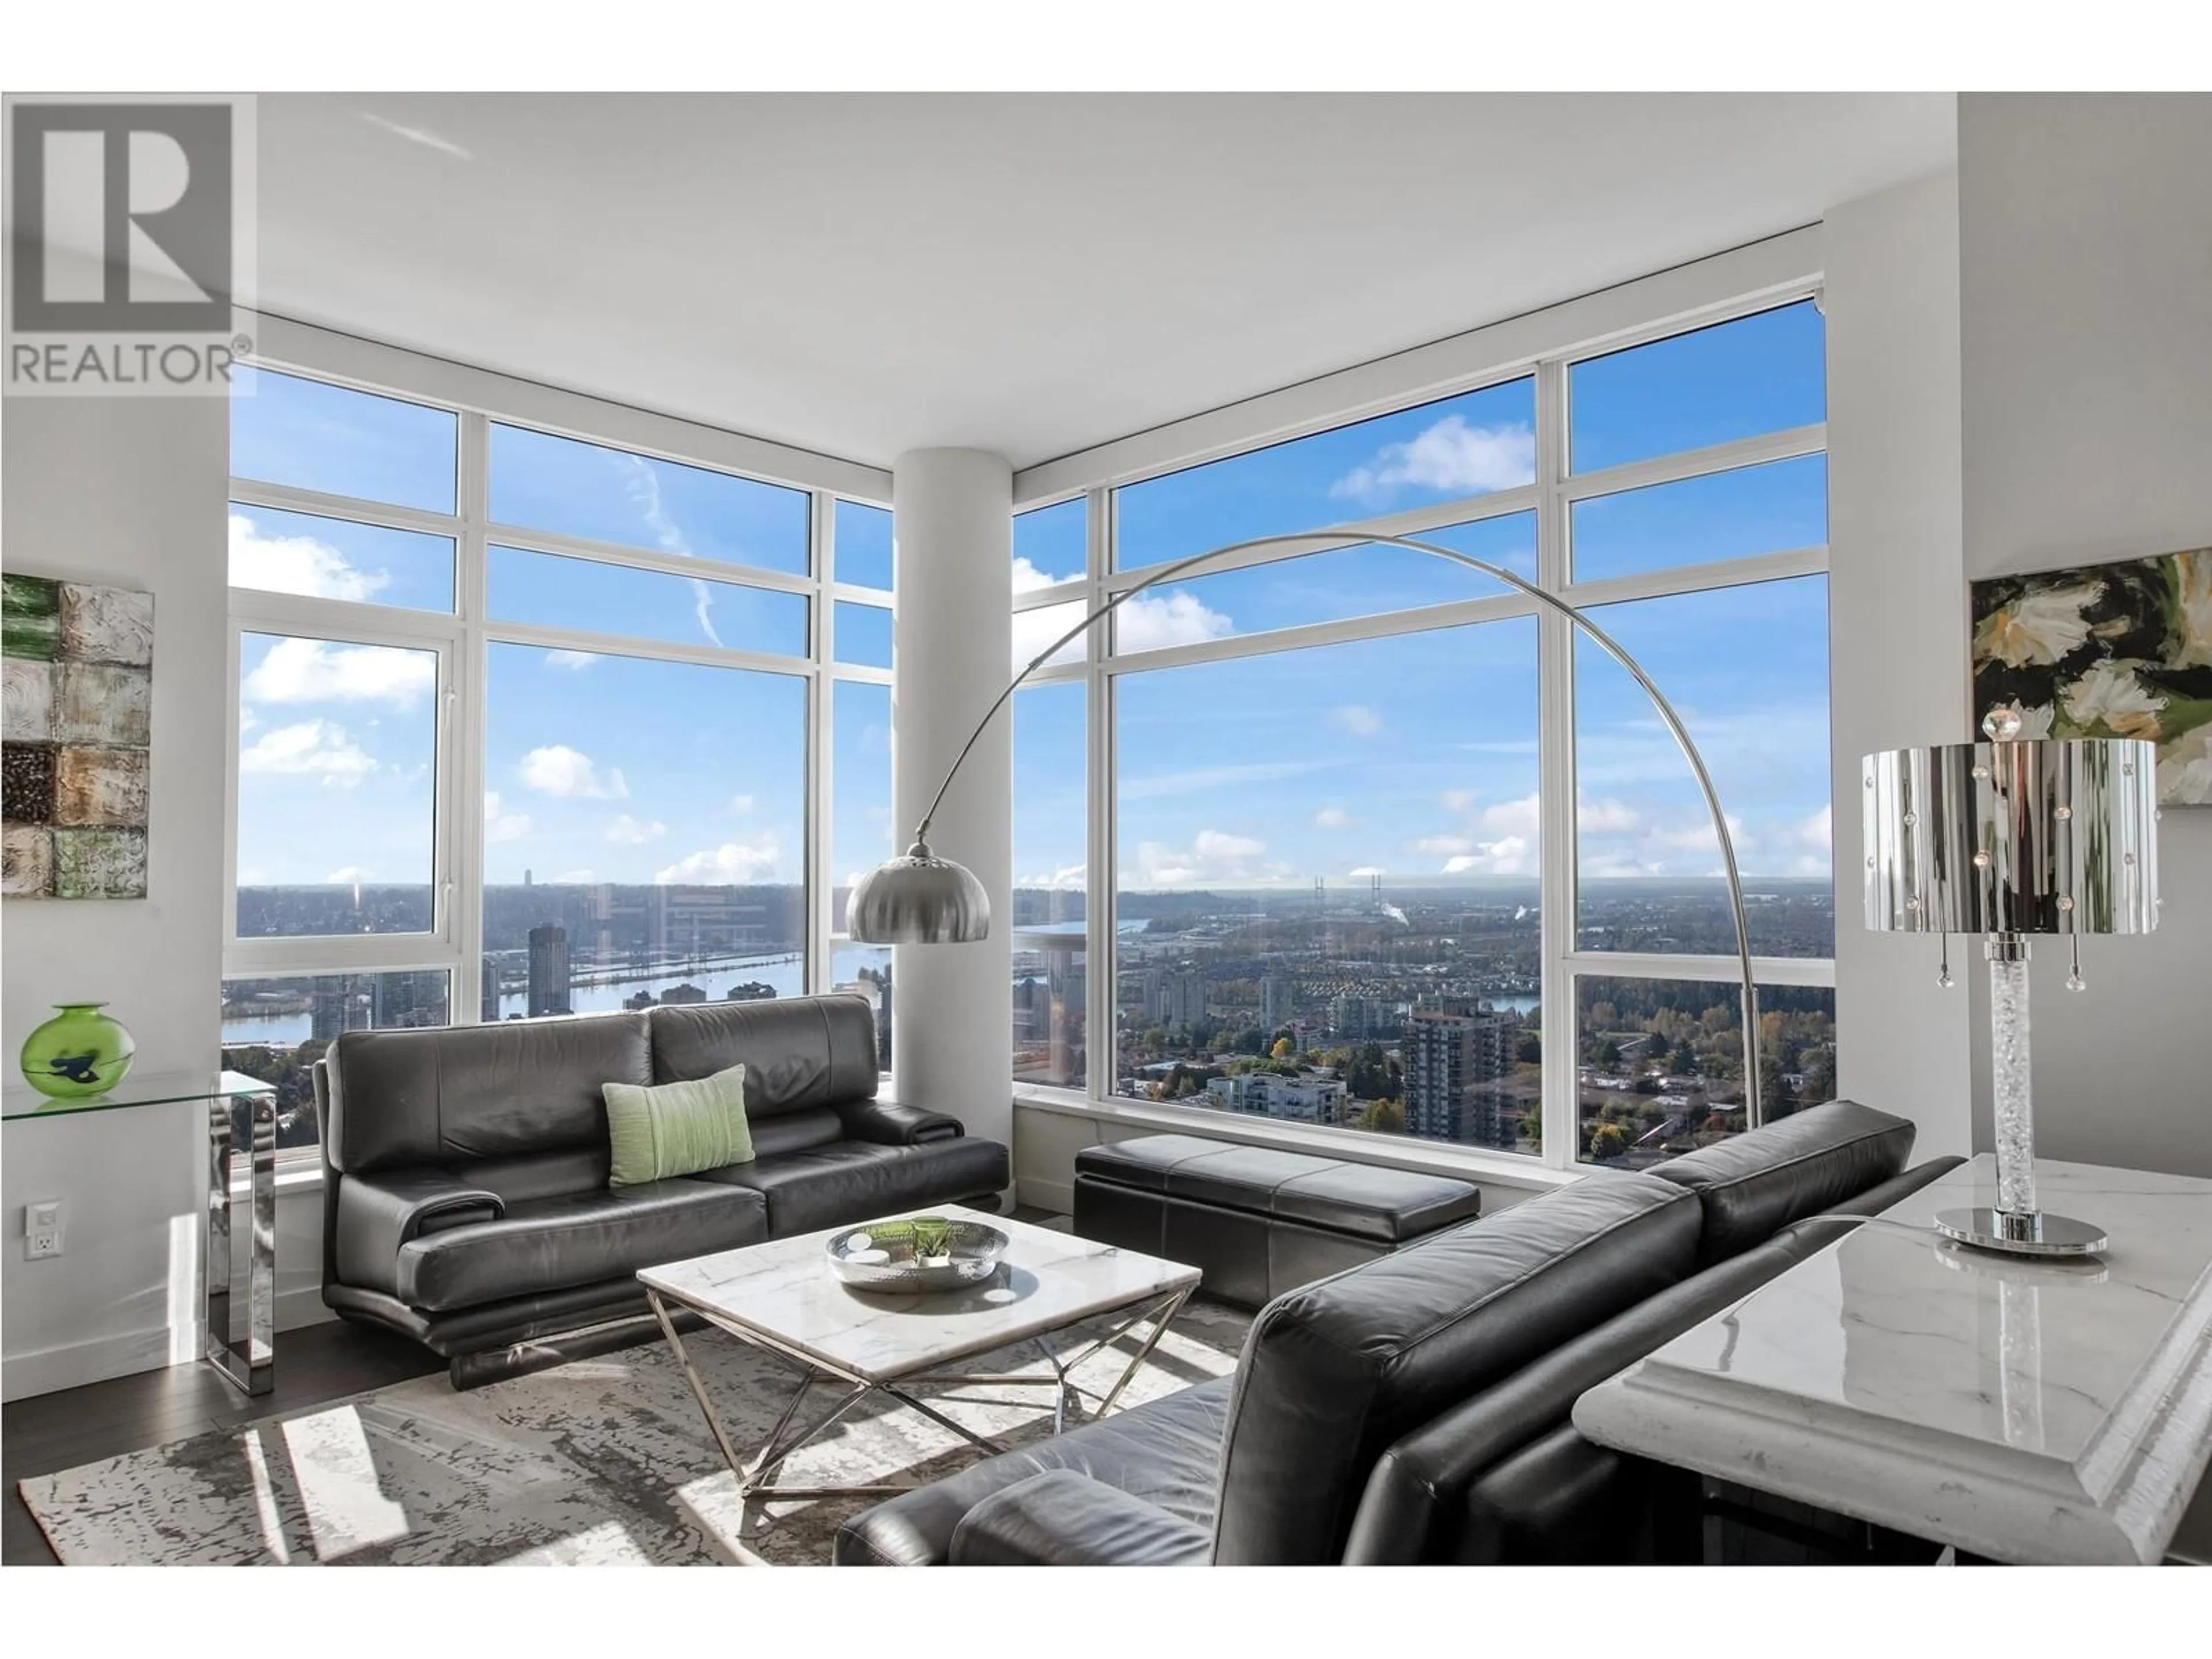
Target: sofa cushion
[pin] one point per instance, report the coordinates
(1165, 1453)
(1063, 1519)
(850, 1180)
(1758, 1183)
(665, 1129)
(549, 1243)
(444, 1095)
(799, 1054)
(1333, 1373)
(1365, 1199)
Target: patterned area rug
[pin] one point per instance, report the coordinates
(599, 1460)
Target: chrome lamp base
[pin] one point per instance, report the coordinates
(2036, 1233)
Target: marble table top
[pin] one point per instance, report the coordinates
(2029, 1411)
(783, 1294)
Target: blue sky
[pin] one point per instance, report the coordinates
(1413, 756)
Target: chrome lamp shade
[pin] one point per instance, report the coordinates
(918, 899)
(2010, 838)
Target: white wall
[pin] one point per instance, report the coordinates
(130, 492)
(1897, 618)
(2086, 274)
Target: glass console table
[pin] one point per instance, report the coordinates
(241, 1121)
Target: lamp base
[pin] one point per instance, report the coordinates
(2039, 1233)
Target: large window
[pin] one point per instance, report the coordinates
(1393, 848)
(526, 724)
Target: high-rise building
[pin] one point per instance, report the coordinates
(549, 970)
(1455, 1059)
(1279, 998)
(1175, 996)
(335, 1006)
(488, 987)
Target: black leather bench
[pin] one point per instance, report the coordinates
(1254, 1221)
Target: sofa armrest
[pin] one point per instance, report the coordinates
(1064, 1519)
(888, 1123)
(377, 1214)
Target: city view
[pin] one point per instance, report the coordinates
(1416, 1010)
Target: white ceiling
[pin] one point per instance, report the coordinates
(862, 274)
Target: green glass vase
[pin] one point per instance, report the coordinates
(78, 1054)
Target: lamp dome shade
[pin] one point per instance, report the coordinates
(918, 899)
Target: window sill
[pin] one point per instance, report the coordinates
(1468, 1163)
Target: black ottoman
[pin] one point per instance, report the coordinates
(1256, 1221)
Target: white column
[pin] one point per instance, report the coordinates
(1896, 625)
(953, 514)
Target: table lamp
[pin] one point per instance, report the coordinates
(2009, 838)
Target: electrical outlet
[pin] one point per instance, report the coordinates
(42, 1230)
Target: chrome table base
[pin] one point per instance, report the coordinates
(250, 1362)
(757, 1475)
(2037, 1233)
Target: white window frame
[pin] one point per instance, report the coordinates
(1763, 276)
(462, 638)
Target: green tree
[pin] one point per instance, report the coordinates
(1529, 1049)
(1283, 1049)
(1384, 1117)
(1607, 1141)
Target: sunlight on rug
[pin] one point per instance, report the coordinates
(604, 1461)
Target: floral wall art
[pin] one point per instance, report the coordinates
(79, 709)
(2120, 650)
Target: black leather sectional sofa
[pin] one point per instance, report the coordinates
(465, 1199)
(1414, 1408)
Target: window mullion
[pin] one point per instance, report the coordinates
(471, 764)
(1555, 703)
(821, 710)
(1101, 1059)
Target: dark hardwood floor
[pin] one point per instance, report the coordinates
(315, 1364)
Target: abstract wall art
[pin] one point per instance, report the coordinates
(78, 724)
(2121, 650)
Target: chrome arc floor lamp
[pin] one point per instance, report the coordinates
(922, 898)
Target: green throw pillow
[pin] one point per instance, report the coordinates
(676, 1128)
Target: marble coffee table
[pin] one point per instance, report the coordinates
(782, 1296)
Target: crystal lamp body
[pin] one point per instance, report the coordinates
(2010, 838)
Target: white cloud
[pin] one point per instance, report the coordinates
(643, 484)
(1365, 873)
(315, 670)
(634, 832)
(741, 805)
(1451, 457)
(733, 864)
(1509, 855)
(1148, 622)
(1214, 856)
(1698, 837)
(557, 769)
(503, 826)
(573, 879)
(1068, 878)
(1605, 818)
(1459, 800)
(575, 661)
(1332, 818)
(1519, 817)
(310, 749)
(1356, 718)
(347, 874)
(1818, 832)
(1201, 779)
(296, 564)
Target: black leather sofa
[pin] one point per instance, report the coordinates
(1414, 1408)
(465, 1199)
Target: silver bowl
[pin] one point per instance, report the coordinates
(882, 1256)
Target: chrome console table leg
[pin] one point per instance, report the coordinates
(249, 1363)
